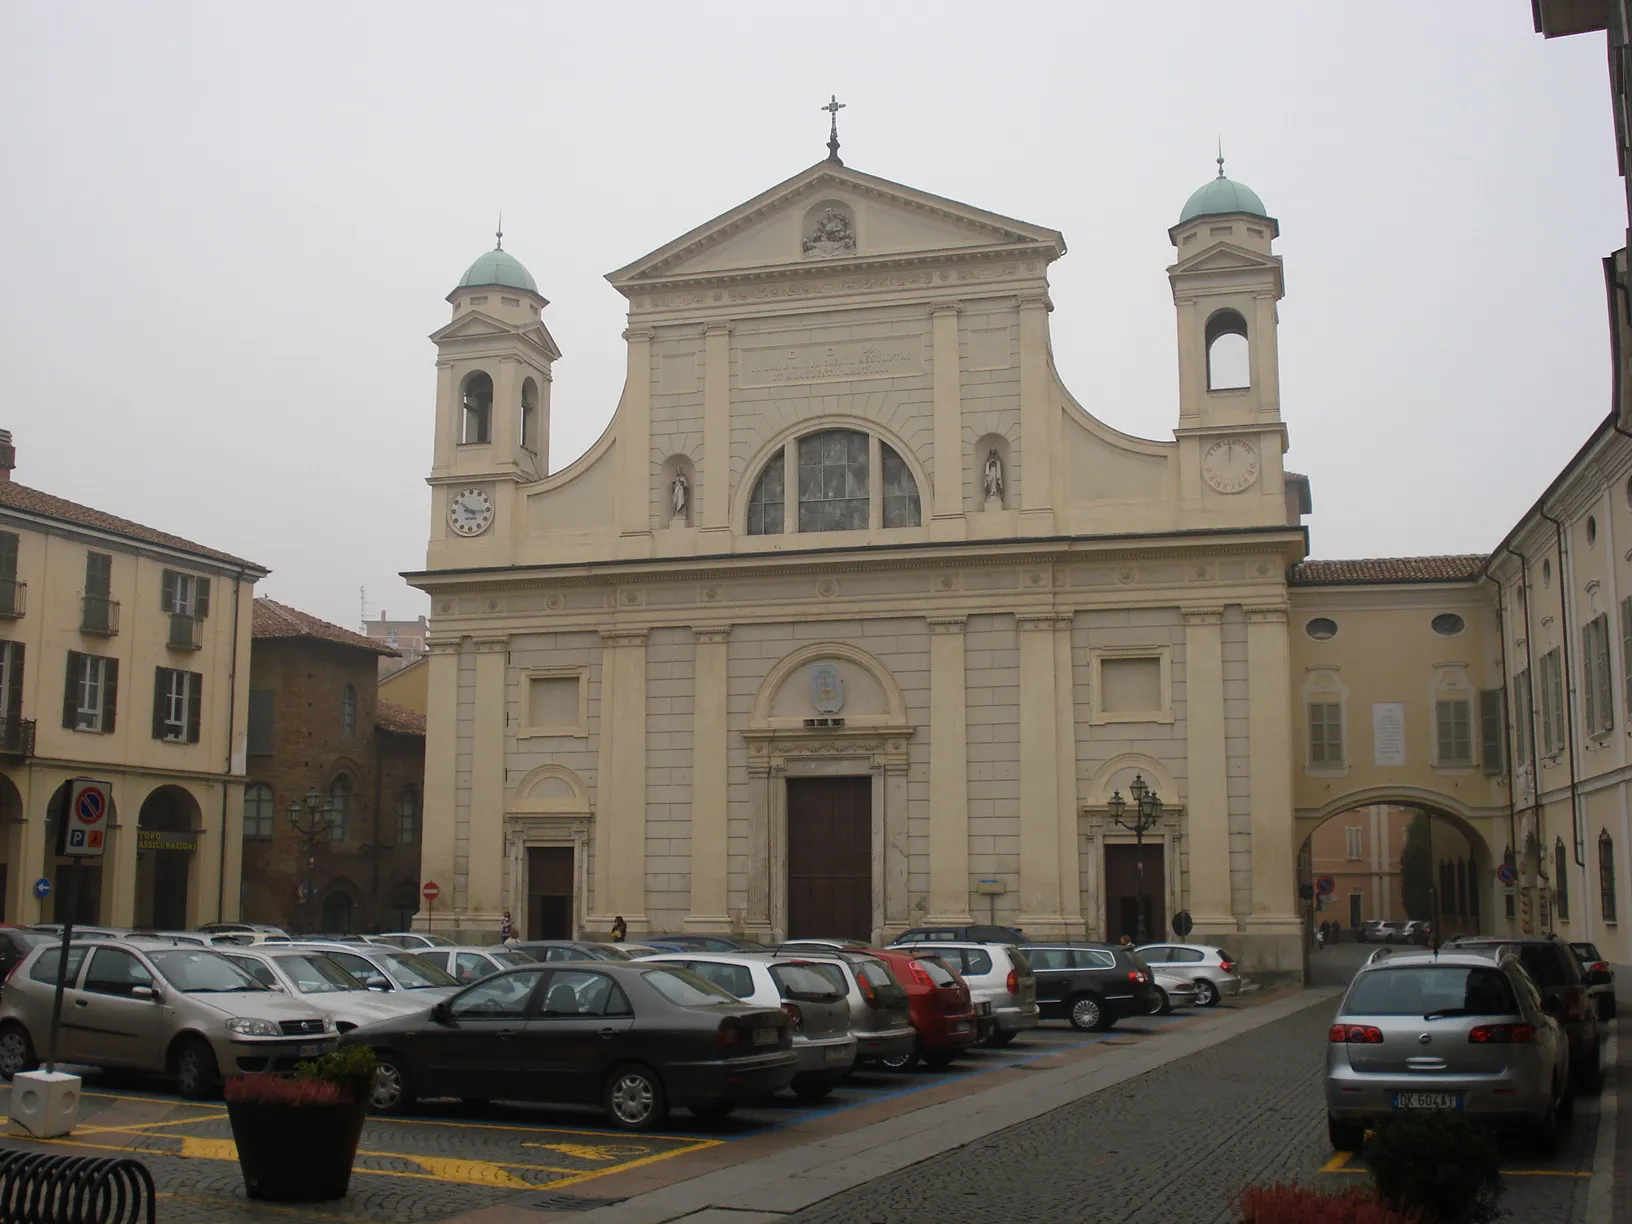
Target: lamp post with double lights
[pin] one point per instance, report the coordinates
(311, 817)
(1147, 810)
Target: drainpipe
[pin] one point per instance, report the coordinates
(1577, 833)
(226, 786)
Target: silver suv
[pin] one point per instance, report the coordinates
(998, 975)
(817, 1008)
(1453, 1031)
(180, 1011)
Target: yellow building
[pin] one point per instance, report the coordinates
(124, 657)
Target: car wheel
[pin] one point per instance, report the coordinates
(901, 1062)
(197, 1076)
(811, 1091)
(1345, 1136)
(393, 1091)
(1206, 992)
(16, 1052)
(634, 1099)
(1163, 1005)
(1087, 1014)
(1002, 1037)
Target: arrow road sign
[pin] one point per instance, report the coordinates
(42, 888)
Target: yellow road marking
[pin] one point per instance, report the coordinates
(470, 1172)
(1544, 1173)
(1336, 1163)
(530, 1130)
(208, 1149)
(134, 1127)
(589, 1151)
(697, 1145)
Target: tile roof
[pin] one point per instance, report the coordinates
(389, 716)
(1464, 567)
(14, 496)
(275, 620)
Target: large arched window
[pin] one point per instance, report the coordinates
(476, 409)
(847, 480)
(529, 416)
(348, 711)
(408, 816)
(259, 810)
(342, 798)
(1228, 363)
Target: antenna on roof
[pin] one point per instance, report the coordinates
(499, 233)
(1221, 157)
(362, 606)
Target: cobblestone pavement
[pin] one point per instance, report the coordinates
(1174, 1146)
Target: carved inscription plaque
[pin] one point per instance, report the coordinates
(842, 361)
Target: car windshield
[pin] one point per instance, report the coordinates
(805, 982)
(414, 972)
(196, 971)
(317, 974)
(937, 970)
(686, 989)
(607, 952)
(514, 958)
(1431, 990)
(1586, 951)
(833, 973)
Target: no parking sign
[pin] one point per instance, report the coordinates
(87, 823)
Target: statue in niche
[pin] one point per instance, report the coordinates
(992, 475)
(680, 494)
(832, 235)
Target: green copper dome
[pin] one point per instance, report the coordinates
(498, 267)
(1222, 195)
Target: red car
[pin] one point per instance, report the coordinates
(938, 1005)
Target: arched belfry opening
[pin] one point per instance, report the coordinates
(476, 409)
(1229, 355)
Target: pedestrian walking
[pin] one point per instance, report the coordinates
(620, 929)
(507, 931)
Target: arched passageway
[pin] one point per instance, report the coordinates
(11, 820)
(166, 841)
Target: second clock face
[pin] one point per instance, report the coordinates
(1230, 465)
(470, 512)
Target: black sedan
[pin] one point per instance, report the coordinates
(632, 1037)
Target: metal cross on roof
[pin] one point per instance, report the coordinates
(833, 107)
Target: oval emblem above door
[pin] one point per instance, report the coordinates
(826, 688)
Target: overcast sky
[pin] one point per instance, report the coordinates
(228, 229)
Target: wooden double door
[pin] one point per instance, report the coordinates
(830, 858)
(549, 892)
(1126, 894)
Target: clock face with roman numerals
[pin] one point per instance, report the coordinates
(1230, 465)
(470, 512)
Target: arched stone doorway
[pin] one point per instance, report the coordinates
(166, 840)
(11, 877)
(340, 911)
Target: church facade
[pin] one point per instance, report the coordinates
(856, 619)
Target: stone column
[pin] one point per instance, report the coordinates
(715, 495)
(890, 791)
(1269, 697)
(447, 430)
(484, 902)
(1039, 779)
(635, 446)
(440, 817)
(1036, 413)
(620, 815)
(120, 885)
(1207, 804)
(948, 774)
(947, 523)
(709, 805)
(1065, 731)
(767, 803)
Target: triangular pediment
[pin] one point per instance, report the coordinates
(476, 326)
(830, 215)
(1226, 257)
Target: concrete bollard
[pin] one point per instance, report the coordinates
(44, 1104)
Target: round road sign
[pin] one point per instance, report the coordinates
(1507, 873)
(431, 891)
(1326, 886)
(42, 888)
(92, 804)
(1183, 924)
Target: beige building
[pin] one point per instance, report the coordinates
(124, 656)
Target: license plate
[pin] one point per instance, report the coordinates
(985, 1009)
(838, 1054)
(765, 1036)
(960, 1026)
(1427, 1100)
(310, 1051)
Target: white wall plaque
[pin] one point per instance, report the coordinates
(842, 361)
(1388, 732)
(826, 688)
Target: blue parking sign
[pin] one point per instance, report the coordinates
(42, 888)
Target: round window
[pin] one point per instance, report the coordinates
(1321, 628)
(1449, 624)
(1546, 573)
(1592, 531)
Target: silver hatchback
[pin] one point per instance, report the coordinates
(998, 975)
(1418, 1031)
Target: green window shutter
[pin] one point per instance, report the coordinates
(70, 690)
(1606, 683)
(1492, 729)
(8, 554)
(98, 574)
(201, 597)
(167, 592)
(1589, 682)
(195, 700)
(1626, 651)
(14, 684)
(161, 689)
(110, 693)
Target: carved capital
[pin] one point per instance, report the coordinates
(947, 624)
(1202, 616)
(712, 636)
(634, 334)
(719, 328)
(1042, 620)
(1035, 299)
(1266, 614)
(623, 637)
(491, 645)
(951, 308)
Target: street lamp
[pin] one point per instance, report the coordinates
(311, 817)
(1147, 810)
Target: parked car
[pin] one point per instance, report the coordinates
(467, 965)
(698, 942)
(1214, 972)
(388, 969)
(817, 1008)
(412, 941)
(1368, 931)
(635, 951)
(1556, 970)
(15, 944)
(1602, 989)
(188, 1013)
(998, 975)
(1454, 1031)
(1416, 931)
(259, 932)
(1174, 991)
(637, 1039)
(1093, 985)
(961, 934)
(315, 979)
(938, 1004)
(80, 932)
(552, 950)
(879, 1013)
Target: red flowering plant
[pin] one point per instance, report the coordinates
(260, 1089)
(1289, 1204)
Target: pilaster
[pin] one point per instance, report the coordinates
(947, 523)
(714, 500)
(483, 900)
(1039, 779)
(1207, 788)
(635, 445)
(1065, 760)
(1036, 440)
(709, 804)
(1269, 698)
(439, 821)
(620, 822)
(948, 772)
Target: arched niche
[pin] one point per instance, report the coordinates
(677, 466)
(985, 446)
(870, 695)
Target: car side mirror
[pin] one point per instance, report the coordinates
(145, 992)
(440, 1013)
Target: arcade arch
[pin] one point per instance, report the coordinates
(166, 841)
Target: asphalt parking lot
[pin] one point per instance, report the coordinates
(448, 1159)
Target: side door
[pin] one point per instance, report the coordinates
(1052, 969)
(1159, 957)
(1098, 971)
(43, 975)
(581, 1028)
(477, 1054)
(118, 1019)
(364, 970)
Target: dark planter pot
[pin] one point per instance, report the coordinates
(296, 1153)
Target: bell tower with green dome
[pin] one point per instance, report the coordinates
(492, 405)
(1226, 284)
